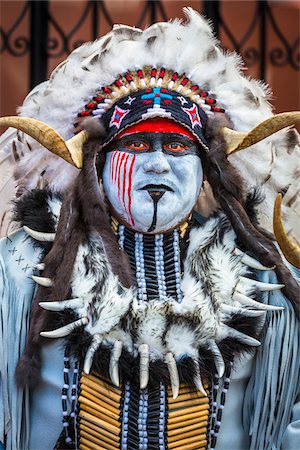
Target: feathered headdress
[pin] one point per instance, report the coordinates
(181, 60)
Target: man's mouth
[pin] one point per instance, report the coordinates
(156, 188)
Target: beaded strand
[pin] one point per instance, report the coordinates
(69, 419)
(142, 419)
(217, 419)
(162, 416)
(140, 267)
(125, 418)
(177, 265)
(159, 261)
(121, 236)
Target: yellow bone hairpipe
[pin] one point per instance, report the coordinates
(98, 401)
(114, 395)
(100, 415)
(194, 426)
(193, 409)
(96, 440)
(90, 445)
(97, 434)
(99, 408)
(106, 383)
(178, 444)
(194, 446)
(195, 421)
(99, 422)
(192, 395)
(183, 418)
(188, 403)
(96, 428)
(199, 434)
(101, 392)
(83, 447)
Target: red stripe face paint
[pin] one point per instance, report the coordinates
(130, 188)
(121, 168)
(120, 172)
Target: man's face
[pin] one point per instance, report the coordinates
(152, 180)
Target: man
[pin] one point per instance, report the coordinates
(154, 309)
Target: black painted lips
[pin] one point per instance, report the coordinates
(156, 188)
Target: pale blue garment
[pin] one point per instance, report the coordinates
(17, 263)
(46, 407)
(41, 431)
(271, 390)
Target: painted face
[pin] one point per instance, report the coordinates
(153, 180)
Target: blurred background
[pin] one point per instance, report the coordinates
(37, 35)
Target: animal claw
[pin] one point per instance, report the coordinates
(218, 358)
(247, 301)
(42, 281)
(144, 365)
(88, 361)
(251, 262)
(174, 377)
(243, 338)
(38, 235)
(198, 379)
(65, 330)
(61, 305)
(114, 363)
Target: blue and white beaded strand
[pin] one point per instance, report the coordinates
(125, 418)
(121, 229)
(214, 432)
(159, 262)
(142, 419)
(177, 265)
(140, 267)
(69, 418)
(162, 416)
(74, 397)
(213, 416)
(64, 396)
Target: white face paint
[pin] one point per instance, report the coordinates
(152, 191)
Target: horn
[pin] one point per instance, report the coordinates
(290, 249)
(70, 151)
(236, 141)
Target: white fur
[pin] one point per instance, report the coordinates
(211, 274)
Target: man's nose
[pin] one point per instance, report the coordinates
(156, 163)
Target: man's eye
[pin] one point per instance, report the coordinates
(175, 147)
(137, 145)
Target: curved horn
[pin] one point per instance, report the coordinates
(289, 248)
(236, 141)
(70, 151)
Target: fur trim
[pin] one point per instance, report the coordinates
(211, 275)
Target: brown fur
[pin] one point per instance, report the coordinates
(83, 211)
(227, 187)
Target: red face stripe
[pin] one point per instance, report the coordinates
(116, 163)
(129, 189)
(121, 168)
(112, 166)
(124, 180)
(119, 172)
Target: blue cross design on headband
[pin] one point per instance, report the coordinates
(156, 94)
